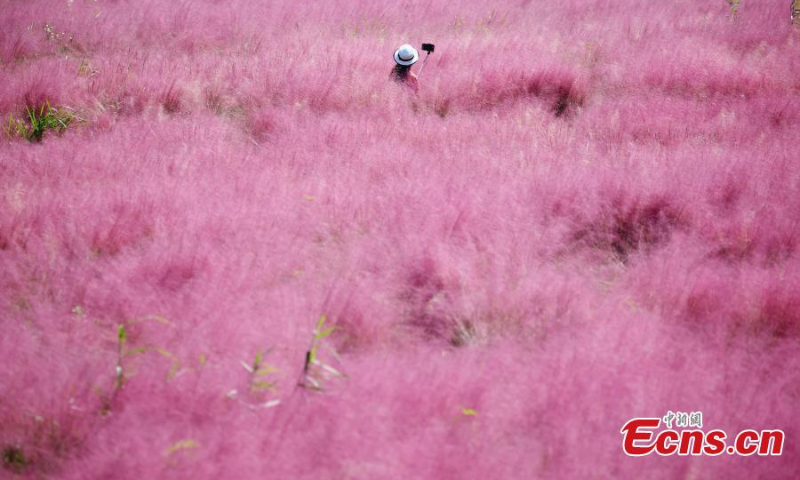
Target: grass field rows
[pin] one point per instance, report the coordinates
(230, 247)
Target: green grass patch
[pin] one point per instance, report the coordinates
(14, 459)
(38, 121)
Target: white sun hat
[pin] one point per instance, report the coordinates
(406, 55)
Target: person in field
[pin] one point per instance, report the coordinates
(405, 57)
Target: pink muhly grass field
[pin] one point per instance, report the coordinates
(590, 213)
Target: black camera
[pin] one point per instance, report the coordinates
(428, 47)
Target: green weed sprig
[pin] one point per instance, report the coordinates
(258, 384)
(315, 372)
(38, 122)
(124, 352)
(259, 370)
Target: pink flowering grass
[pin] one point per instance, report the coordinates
(590, 213)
